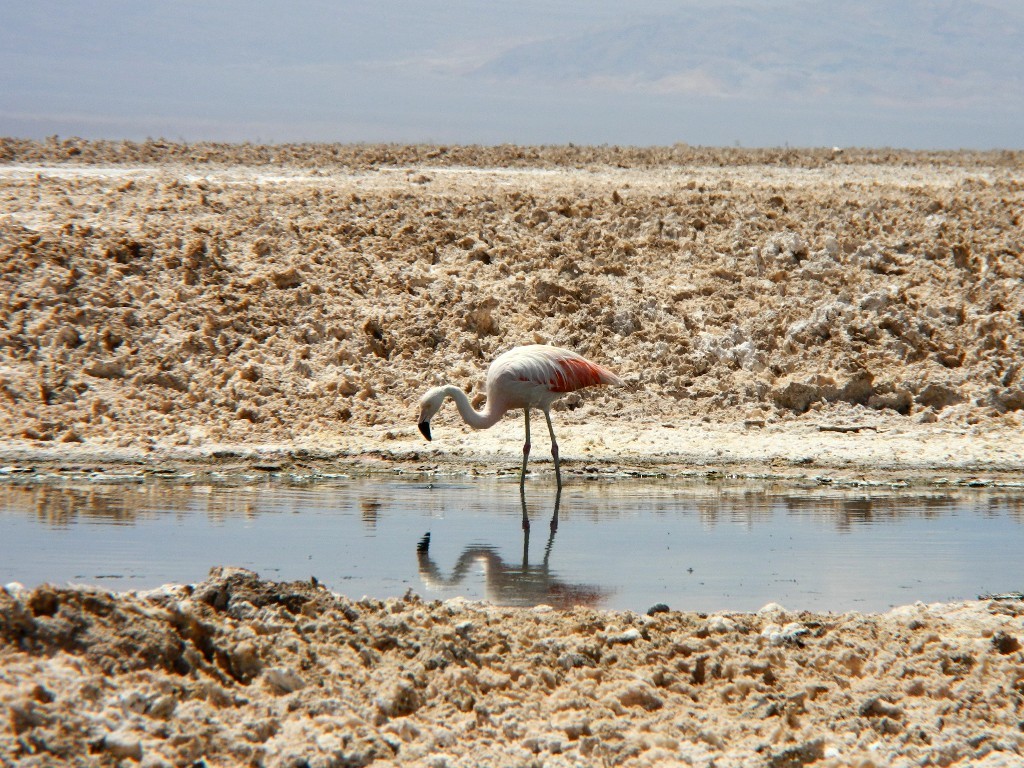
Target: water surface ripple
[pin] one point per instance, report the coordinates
(629, 544)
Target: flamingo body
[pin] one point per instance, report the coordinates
(534, 376)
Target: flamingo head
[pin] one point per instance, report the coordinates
(430, 403)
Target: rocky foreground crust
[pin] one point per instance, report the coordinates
(241, 671)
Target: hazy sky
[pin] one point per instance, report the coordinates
(907, 73)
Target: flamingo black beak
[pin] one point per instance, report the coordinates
(425, 429)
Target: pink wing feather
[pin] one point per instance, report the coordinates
(574, 372)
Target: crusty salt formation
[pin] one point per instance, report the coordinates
(163, 295)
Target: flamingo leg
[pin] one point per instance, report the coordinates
(526, 523)
(554, 450)
(553, 524)
(526, 449)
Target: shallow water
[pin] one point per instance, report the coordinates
(624, 544)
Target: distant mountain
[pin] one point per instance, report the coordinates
(926, 52)
(909, 73)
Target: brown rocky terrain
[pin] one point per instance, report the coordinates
(162, 295)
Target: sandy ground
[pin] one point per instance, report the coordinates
(849, 315)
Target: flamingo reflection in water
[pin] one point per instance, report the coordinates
(523, 585)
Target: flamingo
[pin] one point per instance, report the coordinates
(534, 376)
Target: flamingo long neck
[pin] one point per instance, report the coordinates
(488, 417)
